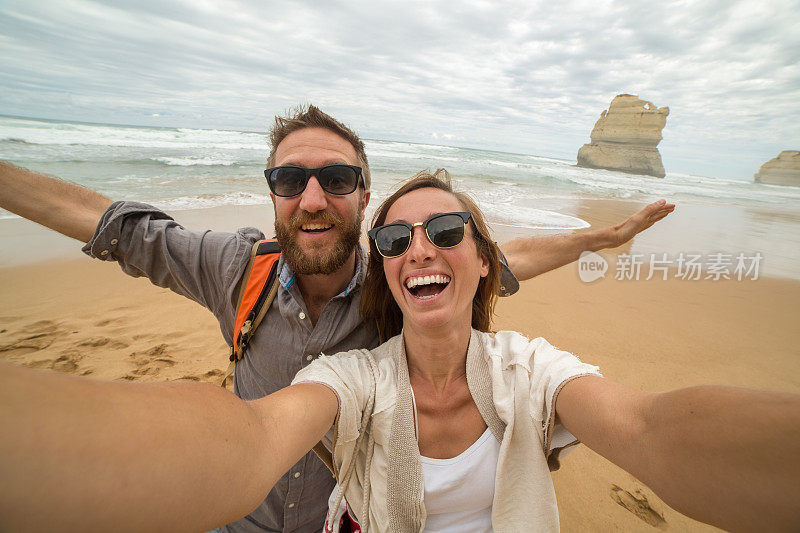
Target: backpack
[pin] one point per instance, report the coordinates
(259, 286)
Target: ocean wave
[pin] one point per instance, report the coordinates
(551, 160)
(506, 164)
(207, 201)
(373, 154)
(673, 186)
(406, 146)
(192, 161)
(218, 152)
(532, 218)
(74, 134)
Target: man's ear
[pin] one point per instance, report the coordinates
(364, 203)
(274, 206)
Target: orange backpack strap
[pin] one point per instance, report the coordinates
(255, 296)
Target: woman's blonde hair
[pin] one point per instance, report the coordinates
(377, 302)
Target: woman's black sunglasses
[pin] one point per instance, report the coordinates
(444, 230)
(334, 179)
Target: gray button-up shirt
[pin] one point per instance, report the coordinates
(207, 267)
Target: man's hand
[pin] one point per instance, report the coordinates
(639, 221)
(527, 258)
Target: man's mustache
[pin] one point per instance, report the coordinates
(296, 221)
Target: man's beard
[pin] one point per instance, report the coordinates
(325, 261)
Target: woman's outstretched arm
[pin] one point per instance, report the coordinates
(722, 455)
(529, 257)
(77, 453)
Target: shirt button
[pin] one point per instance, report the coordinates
(296, 475)
(104, 252)
(114, 241)
(302, 316)
(291, 505)
(309, 357)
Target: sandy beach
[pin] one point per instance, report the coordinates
(84, 317)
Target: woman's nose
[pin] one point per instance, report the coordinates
(421, 249)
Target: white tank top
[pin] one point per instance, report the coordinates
(459, 491)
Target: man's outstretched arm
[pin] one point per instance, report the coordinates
(527, 258)
(60, 205)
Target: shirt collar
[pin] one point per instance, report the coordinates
(287, 277)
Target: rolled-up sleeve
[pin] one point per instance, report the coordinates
(552, 369)
(348, 375)
(204, 266)
(547, 369)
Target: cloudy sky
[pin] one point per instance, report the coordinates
(529, 76)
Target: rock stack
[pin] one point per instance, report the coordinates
(626, 137)
(783, 170)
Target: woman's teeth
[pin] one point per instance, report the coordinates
(427, 280)
(425, 287)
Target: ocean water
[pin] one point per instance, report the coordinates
(183, 168)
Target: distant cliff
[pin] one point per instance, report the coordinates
(626, 137)
(783, 170)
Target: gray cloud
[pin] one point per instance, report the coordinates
(525, 77)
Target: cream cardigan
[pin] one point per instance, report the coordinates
(514, 382)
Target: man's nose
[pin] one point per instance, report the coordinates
(421, 249)
(313, 199)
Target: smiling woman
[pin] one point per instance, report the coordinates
(425, 397)
(444, 427)
(381, 304)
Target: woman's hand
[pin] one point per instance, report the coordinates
(145, 456)
(722, 455)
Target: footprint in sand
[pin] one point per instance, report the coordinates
(41, 326)
(150, 362)
(208, 376)
(95, 342)
(67, 362)
(126, 308)
(32, 338)
(637, 503)
(33, 343)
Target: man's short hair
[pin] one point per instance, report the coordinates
(309, 116)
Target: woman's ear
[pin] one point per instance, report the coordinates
(484, 266)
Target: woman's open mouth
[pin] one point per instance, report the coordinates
(426, 287)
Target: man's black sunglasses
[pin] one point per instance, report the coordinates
(444, 230)
(291, 181)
